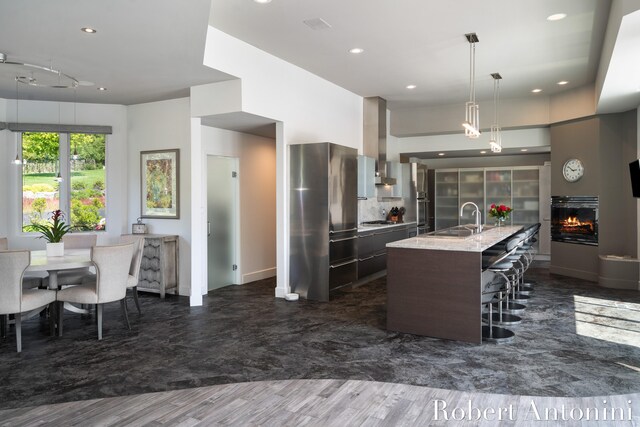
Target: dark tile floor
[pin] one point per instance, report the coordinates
(576, 340)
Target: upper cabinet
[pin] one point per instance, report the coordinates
(402, 173)
(366, 177)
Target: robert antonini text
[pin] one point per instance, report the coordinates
(531, 412)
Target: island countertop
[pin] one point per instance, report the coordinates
(474, 243)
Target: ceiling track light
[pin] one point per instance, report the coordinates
(495, 141)
(471, 123)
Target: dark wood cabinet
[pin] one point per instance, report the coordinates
(372, 250)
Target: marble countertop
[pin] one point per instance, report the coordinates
(473, 243)
(364, 228)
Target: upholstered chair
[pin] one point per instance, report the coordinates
(76, 241)
(16, 300)
(31, 279)
(134, 270)
(112, 265)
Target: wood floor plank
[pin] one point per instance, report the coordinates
(311, 403)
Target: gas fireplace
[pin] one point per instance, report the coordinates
(574, 219)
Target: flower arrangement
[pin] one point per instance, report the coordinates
(53, 232)
(500, 212)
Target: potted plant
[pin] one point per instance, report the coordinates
(500, 213)
(52, 232)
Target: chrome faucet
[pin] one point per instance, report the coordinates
(477, 213)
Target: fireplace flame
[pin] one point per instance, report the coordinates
(574, 222)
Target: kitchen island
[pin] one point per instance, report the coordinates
(434, 283)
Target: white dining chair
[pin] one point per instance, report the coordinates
(31, 279)
(16, 300)
(134, 270)
(112, 265)
(76, 241)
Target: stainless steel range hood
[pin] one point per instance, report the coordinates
(375, 137)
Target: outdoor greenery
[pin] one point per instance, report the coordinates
(40, 189)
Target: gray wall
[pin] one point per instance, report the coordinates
(605, 144)
(489, 161)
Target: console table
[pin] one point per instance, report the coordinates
(159, 269)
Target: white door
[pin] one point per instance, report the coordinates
(222, 220)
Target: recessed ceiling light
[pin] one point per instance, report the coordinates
(524, 149)
(88, 30)
(563, 82)
(262, 1)
(483, 152)
(556, 16)
(411, 86)
(102, 89)
(536, 90)
(356, 50)
(440, 154)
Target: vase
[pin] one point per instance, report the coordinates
(55, 249)
(500, 222)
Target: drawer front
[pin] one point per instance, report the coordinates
(342, 247)
(371, 264)
(343, 273)
(374, 242)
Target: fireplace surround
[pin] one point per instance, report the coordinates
(574, 219)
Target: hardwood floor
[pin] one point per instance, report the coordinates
(330, 403)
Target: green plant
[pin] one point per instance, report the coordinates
(85, 217)
(78, 185)
(52, 232)
(98, 185)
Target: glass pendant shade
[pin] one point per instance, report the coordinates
(471, 123)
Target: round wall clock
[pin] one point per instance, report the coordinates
(572, 170)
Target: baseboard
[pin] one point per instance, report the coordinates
(578, 274)
(258, 275)
(608, 282)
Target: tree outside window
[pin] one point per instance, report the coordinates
(84, 186)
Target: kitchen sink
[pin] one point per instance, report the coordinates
(457, 232)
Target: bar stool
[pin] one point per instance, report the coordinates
(526, 288)
(497, 292)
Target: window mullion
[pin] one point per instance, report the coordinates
(65, 173)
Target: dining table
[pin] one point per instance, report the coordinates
(72, 259)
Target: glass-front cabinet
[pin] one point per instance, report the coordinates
(526, 196)
(471, 190)
(446, 203)
(517, 187)
(498, 191)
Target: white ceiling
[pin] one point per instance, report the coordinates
(148, 50)
(144, 50)
(422, 42)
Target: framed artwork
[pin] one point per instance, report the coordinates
(160, 184)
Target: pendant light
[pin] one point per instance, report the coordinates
(17, 160)
(495, 142)
(59, 177)
(472, 111)
(75, 155)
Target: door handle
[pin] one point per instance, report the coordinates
(208, 228)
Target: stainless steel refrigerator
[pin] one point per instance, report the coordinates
(323, 218)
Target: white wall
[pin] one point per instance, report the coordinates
(305, 107)
(157, 126)
(257, 176)
(86, 114)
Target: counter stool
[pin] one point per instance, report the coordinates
(526, 288)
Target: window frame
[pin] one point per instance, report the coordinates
(64, 156)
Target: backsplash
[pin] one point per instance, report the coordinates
(371, 209)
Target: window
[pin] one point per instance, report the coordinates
(64, 171)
